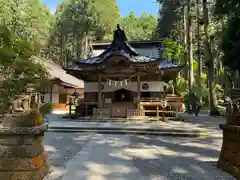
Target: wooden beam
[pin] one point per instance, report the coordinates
(138, 90)
(51, 92)
(99, 91)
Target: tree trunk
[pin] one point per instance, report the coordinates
(199, 79)
(226, 83)
(185, 41)
(189, 46)
(210, 62)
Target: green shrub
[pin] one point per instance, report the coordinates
(46, 109)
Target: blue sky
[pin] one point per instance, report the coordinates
(125, 6)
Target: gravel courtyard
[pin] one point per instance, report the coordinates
(77, 156)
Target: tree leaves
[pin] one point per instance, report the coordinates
(139, 28)
(23, 29)
(230, 10)
(77, 19)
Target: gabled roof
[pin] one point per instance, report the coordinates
(121, 50)
(118, 48)
(57, 73)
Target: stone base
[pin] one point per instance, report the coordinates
(229, 159)
(38, 174)
(22, 155)
(233, 119)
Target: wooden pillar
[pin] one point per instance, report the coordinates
(99, 91)
(51, 92)
(138, 91)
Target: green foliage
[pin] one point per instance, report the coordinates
(230, 11)
(173, 51)
(180, 86)
(27, 18)
(24, 26)
(170, 21)
(139, 28)
(231, 44)
(77, 19)
(46, 109)
(17, 69)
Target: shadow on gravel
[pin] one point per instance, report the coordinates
(60, 148)
(156, 158)
(178, 158)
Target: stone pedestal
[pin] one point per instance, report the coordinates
(22, 155)
(229, 159)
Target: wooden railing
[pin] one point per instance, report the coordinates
(151, 99)
(134, 112)
(175, 102)
(159, 107)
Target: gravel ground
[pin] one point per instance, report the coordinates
(60, 148)
(157, 158)
(170, 158)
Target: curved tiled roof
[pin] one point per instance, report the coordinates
(100, 59)
(121, 48)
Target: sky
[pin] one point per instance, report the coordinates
(125, 6)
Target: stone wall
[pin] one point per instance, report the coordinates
(22, 153)
(229, 159)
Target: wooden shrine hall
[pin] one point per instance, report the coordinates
(124, 79)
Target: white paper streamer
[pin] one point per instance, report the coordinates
(126, 82)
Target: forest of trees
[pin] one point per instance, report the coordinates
(207, 31)
(202, 34)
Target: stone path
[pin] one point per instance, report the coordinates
(103, 158)
(62, 147)
(76, 156)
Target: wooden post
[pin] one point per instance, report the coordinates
(99, 91)
(86, 108)
(138, 91)
(51, 92)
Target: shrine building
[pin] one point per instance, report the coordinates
(123, 79)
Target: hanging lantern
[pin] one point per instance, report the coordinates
(109, 82)
(121, 83)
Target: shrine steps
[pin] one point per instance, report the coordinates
(124, 130)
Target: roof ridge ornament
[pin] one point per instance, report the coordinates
(120, 43)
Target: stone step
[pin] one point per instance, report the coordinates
(132, 131)
(124, 128)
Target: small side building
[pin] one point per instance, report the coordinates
(61, 87)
